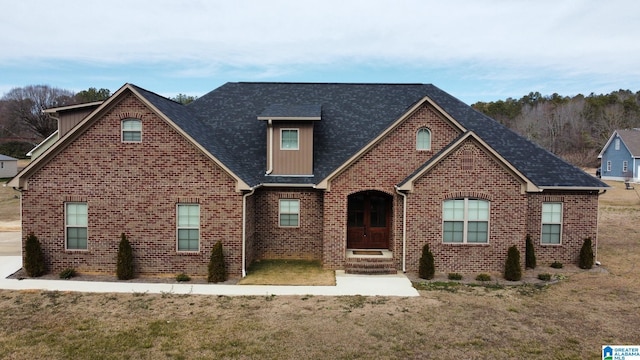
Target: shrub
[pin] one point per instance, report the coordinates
(512, 268)
(33, 257)
(544, 277)
(483, 277)
(182, 277)
(529, 254)
(586, 255)
(67, 273)
(426, 269)
(217, 270)
(556, 265)
(454, 276)
(124, 270)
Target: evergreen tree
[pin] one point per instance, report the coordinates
(217, 269)
(530, 254)
(586, 255)
(33, 257)
(512, 268)
(427, 267)
(124, 270)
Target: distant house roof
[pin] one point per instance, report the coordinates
(7, 158)
(631, 139)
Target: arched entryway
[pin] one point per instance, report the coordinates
(369, 220)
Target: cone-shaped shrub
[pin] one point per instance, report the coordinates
(217, 269)
(586, 255)
(124, 270)
(512, 268)
(530, 254)
(427, 268)
(33, 257)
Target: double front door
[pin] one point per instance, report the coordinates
(368, 220)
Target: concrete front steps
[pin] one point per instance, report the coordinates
(370, 262)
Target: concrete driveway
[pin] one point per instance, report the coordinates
(10, 244)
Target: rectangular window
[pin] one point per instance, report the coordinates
(625, 166)
(608, 165)
(466, 221)
(188, 227)
(76, 222)
(131, 130)
(617, 144)
(289, 213)
(551, 223)
(289, 139)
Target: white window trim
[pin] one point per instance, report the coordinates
(122, 131)
(297, 139)
(609, 165)
(67, 226)
(625, 166)
(178, 228)
(617, 144)
(542, 223)
(280, 213)
(418, 140)
(466, 223)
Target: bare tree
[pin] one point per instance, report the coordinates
(26, 105)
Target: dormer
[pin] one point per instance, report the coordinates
(290, 138)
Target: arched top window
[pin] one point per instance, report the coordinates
(423, 139)
(131, 130)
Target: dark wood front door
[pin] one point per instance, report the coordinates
(368, 220)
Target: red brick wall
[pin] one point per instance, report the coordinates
(133, 188)
(275, 242)
(385, 165)
(579, 221)
(487, 180)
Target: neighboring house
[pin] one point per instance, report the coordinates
(8, 166)
(318, 171)
(620, 156)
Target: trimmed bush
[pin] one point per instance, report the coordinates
(454, 276)
(33, 257)
(483, 277)
(182, 277)
(556, 265)
(586, 255)
(67, 273)
(544, 276)
(124, 270)
(427, 267)
(217, 269)
(529, 254)
(512, 268)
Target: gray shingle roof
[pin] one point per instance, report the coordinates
(631, 139)
(224, 122)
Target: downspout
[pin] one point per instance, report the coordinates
(270, 145)
(404, 229)
(244, 230)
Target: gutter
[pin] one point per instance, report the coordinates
(244, 230)
(404, 229)
(270, 126)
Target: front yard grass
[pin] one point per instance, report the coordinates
(288, 272)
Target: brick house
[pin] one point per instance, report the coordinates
(358, 176)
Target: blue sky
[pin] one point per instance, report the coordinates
(476, 50)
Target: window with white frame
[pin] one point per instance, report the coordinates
(465, 221)
(551, 223)
(423, 139)
(608, 165)
(617, 144)
(289, 139)
(76, 223)
(188, 232)
(131, 130)
(625, 166)
(289, 213)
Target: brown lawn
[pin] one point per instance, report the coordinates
(568, 320)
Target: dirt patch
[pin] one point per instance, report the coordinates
(13, 225)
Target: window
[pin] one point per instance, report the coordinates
(289, 139)
(617, 145)
(76, 226)
(551, 223)
(131, 130)
(188, 227)
(289, 213)
(625, 166)
(608, 165)
(466, 221)
(423, 139)
(1, 165)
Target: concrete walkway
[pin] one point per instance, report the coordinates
(346, 284)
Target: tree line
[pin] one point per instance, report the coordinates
(575, 128)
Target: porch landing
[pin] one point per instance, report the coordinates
(370, 262)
